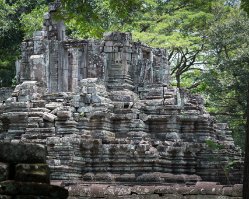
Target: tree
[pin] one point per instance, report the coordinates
(91, 18)
(33, 21)
(246, 160)
(178, 25)
(225, 80)
(245, 6)
(12, 13)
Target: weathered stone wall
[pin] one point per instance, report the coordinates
(117, 60)
(117, 136)
(5, 93)
(25, 174)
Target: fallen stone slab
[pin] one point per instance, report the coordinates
(49, 117)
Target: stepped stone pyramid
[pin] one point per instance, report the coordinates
(107, 114)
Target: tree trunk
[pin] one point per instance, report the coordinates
(246, 160)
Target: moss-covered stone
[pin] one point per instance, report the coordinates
(32, 173)
(22, 153)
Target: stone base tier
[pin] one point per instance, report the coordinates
(202, 190)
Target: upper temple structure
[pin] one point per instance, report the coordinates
(59, 63)
(107, 114)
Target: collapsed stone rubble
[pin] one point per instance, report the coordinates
(25, 174)
(106, 112)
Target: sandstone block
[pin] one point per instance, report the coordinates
(207, 188)
(142, 190)
(49, 117)
(96, 99)
(91, 90)
(53, 105)
(126, 178)
(64, 114)
(149, 177)
(79, 190)
(118, 191)
(237, 190)
(98, 191)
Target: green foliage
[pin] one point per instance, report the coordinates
(214, 146)
(229, 165)
(33, 21)
(227, 77)
(82, 114)
(12, 33)
(91, 18)
(173, 23)
(14, 82)
(179, 26)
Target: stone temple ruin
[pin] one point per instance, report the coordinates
(107, 115)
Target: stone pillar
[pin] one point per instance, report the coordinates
(18, 70)
(75, 69)
(53, 66)
(163, 66)
(84, 61)
(117, 48)
(65, 71)
(95, 62)
(27, 49)
(61, 65)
